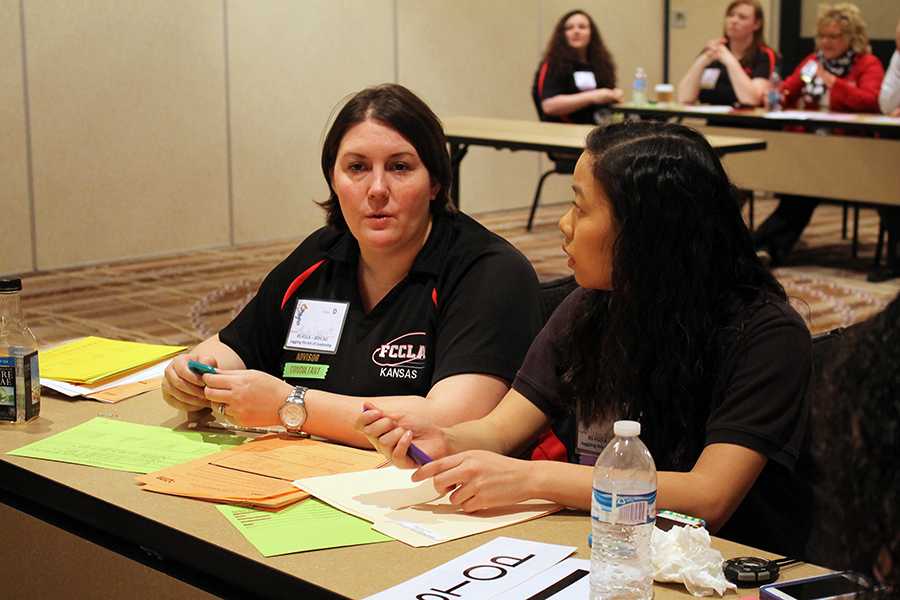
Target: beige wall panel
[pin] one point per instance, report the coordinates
(476, 58)
(128, 128)
(633, 32)
(880, 16)
(704, 21)
(290, 64)
(15, 207)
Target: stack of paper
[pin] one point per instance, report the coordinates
(259, 473)
(104, 369)
(123, 446)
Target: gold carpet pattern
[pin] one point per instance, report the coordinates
(184, 299)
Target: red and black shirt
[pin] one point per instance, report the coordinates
(468, 305)
(764, 62)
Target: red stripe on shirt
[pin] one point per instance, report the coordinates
(298, 282)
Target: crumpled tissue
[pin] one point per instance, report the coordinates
(683, 554)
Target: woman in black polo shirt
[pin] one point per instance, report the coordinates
(399, 297)
(676, 324)
(577, 75)
(736, 69)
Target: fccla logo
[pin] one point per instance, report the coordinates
(402, 357)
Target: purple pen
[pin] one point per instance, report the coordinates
(415, 453)
(419, 457)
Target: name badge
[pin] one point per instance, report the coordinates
(317, 326)
(585, 80)
(809, 71)
(709, 78)
(592, 440)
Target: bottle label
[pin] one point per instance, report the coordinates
(32, 381)
(630, 509)
(7, 388)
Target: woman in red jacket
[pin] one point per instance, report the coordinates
(842, 75)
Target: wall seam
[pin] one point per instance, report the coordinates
(29, 165)
(396, 44)
(228, 155)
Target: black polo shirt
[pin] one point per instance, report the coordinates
(760, 404)
(764, 61)
(468, 305)
(561, 80)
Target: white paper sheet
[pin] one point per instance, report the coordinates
(482, 573)
(412, 512)
(70, 389)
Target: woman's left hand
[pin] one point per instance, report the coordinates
(482, 479)
(250, 398)
(826, 77)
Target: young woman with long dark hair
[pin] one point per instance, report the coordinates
(676, 324)
(577, 74)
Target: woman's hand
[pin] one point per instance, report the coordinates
(826, 77)
(724, 55)
(482, 479)
(392, 435)
(181, 387)
(608, 96)
(712, 50)
(250, 398)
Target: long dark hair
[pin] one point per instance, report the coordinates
(559, 55)
(398, 108)
(683, 266)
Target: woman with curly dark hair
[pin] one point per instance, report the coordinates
(577, 74)
(676, 324)
(856, 442)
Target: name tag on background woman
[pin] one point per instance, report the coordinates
(709, 78)
(317, 325)
(585, 80)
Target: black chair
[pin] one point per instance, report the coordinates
(563, 164)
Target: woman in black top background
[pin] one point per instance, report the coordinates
(736, 68)
(577, 74)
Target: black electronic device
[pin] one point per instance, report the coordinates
(750, 571)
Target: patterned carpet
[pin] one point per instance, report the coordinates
(183, 299)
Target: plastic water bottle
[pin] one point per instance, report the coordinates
(773, 96)
(623, 511)
(20, 383)
(639, 87)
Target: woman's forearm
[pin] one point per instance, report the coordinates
(746, 91)
(689, 86)
(565, 104)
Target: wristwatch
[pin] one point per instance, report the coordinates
(293, 411)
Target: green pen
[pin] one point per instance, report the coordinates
(200, 369)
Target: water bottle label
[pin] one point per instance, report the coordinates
(7, 388)
(31, 379)
(630, 509)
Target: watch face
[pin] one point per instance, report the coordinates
(292, 415)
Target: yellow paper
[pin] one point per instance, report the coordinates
(91, 359)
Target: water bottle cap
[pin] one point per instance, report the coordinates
(627, 428)
(10, 285)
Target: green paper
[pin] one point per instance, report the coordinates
(307, 525)
(305, 370)
(123, 446)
